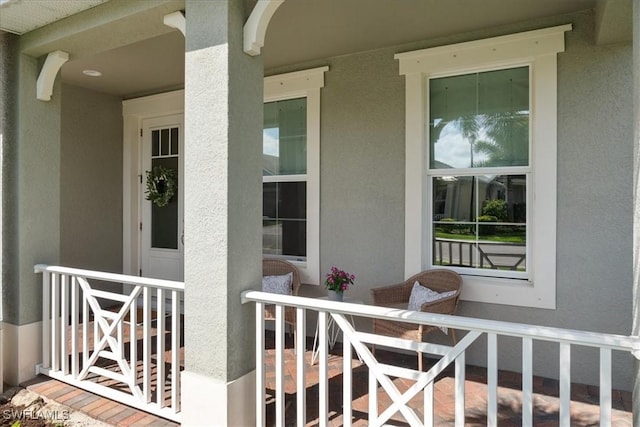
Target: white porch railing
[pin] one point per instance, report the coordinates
(379, 374)
(125, 346)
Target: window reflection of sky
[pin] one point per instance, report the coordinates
(454, 150)
(270, 142)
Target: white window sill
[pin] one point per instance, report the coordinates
(522, 293)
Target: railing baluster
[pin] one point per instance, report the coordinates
(46, 320)
(492, 380)
(373, 399)
(55, 320)
(565, 384)
(96, 331)
(605, 387)
(120, 339)
(146, 344)
(428, 405)
(74, 327)
(64, 316)
(323, 378)
(460, 390)
(133, 340)
(260, 386)
(347, 382)
(85, 329)
(527, 382)
(160, 349)
(279, 365)
(301, 366)
(175, 350)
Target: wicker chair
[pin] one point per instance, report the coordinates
(278, 267)
(397, 296)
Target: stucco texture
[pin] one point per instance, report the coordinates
(223, 86)
(362, 188)
(91, 180)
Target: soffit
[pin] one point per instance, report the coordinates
(136, 60)
(22, 16)
(312, 29)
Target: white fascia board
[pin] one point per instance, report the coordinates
(480, 53)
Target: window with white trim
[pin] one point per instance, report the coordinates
(290, 170)
(481, 164)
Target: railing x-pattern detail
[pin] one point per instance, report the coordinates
(381, 374)
(123, 343)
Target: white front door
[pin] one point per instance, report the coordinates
(162, 227)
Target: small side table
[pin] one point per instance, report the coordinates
(333, 330)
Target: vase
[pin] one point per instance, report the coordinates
(335, 295)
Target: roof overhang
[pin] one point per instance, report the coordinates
(21, 16)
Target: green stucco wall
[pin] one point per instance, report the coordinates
(91, 180)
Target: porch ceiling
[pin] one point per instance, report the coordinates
(301, 31)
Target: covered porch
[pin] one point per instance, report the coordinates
(74, 195)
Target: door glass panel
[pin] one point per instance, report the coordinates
(164, 220)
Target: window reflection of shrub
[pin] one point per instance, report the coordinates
(496, 208)
(454, 227)
(487, 230)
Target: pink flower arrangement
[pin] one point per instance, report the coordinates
(338, 280)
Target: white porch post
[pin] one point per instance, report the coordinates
(223, 210)
(636, 201)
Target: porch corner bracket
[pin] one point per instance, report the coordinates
(176, 20)
(53, 63)
(255, 28)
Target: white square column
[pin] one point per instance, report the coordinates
(223, 211)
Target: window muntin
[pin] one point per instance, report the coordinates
(284, 222)
(480, 222)
(479, 119)
(284, 225)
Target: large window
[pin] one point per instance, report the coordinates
(284, 172)
(479, 122)
(291, 170)
(480, 193)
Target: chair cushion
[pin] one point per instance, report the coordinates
(278, 284)
(421, 295)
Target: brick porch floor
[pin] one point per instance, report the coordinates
(584, 407)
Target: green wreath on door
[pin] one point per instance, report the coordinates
(161, 185)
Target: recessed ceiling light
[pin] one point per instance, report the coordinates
(92, 73)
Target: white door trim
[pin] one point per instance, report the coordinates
(134, 111)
